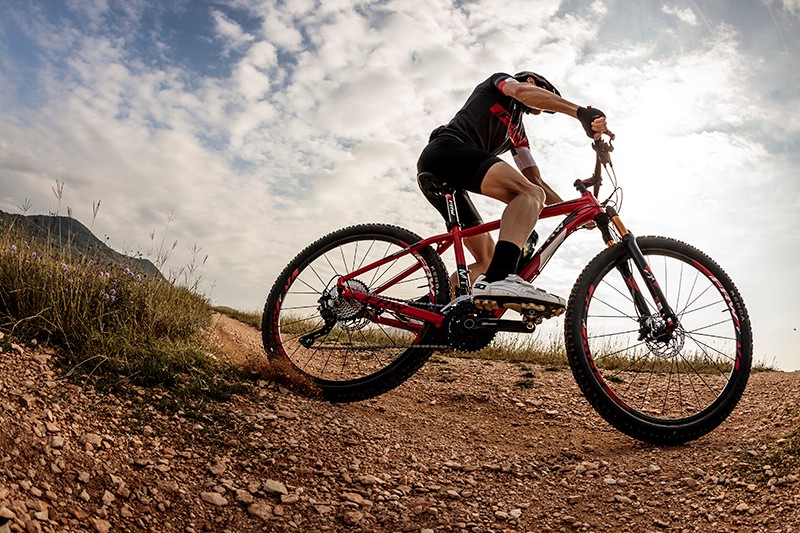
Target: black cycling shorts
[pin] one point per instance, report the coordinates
(460, 166)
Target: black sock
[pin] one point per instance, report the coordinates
(504, 261)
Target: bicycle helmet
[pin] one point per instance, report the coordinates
(540, 80)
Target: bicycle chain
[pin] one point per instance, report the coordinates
(428, 306)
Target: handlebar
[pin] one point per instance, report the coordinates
(603, 151)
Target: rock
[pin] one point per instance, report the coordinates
(92, 438)
(353, 497)
(369, 480)
(108, 498)
(243, 496)
(271, 486)
(653, 469)
(100, 525)
(353, 517)
(515, 513)
(218, 468)
(742, 508)
(609, 481)
(573, 499)
(57, 442)
(289, 499)
(214, 498)
(622, 499)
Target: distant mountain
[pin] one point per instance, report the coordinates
(66, 232)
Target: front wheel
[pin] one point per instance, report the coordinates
(346, 350)
(652, 383)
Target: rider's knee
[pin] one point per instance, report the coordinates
(534, 195)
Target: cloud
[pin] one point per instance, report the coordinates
(230, 32)
(685, 15)
(267, 124)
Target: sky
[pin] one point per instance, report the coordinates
(242, 130)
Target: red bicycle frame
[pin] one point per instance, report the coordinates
(578, 213)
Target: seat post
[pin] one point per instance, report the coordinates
(452, 212)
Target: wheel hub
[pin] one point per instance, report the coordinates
(334, 306)
(662, 339)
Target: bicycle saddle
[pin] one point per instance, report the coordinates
(432, 185)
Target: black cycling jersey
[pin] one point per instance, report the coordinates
(490, 120)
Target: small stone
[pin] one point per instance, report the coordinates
(515, 513)
(742, 508)
(260, 510)
(622, 499)
(271, 486)
(100, 525)
(125, 512)
(92, 438)
(353, 497)
(57, 442)
(214, 498)
(289, 499)
(84, 496)
(369, 480)
(501, 515)
(609, 481)
(108, 498)
(653, 469)
(83, 477)
(572, 500)
(243, 496)
(353, 517)
(218, 468)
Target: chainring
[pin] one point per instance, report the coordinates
(457, 336)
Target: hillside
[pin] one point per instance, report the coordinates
(462, 446)
(58, 232)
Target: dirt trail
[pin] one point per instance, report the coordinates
(464, 445)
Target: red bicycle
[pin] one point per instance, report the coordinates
(657, 335)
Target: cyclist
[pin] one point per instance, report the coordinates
(463, 154)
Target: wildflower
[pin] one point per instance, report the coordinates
(112, 294)
(105, 274)
(64, 267)
(14, 248)
(128, 271)
(33, 255)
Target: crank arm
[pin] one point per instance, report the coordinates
(494, 325)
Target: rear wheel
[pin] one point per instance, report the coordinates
(352, 351)
(652, 384)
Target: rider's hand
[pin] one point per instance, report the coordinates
(593, 121)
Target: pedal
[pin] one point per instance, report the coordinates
(486, 305)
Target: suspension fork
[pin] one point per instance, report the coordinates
(636, 255)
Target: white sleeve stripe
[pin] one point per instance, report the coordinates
(523, 158)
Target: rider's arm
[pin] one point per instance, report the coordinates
(538, 98)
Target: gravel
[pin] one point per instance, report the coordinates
(459, 447)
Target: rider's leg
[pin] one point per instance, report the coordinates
(524, 201)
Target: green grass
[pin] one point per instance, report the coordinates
(105, 320)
